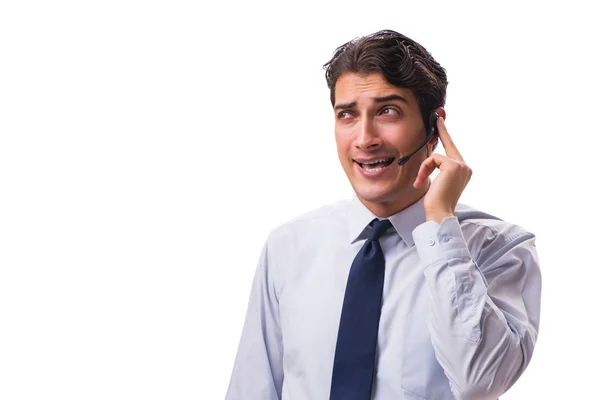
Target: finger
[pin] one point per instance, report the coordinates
(449, 146)
(427, 167)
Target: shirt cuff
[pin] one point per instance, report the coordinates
(440, 242)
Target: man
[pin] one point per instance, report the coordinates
(399, 293)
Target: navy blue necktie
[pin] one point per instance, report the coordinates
(354, 361)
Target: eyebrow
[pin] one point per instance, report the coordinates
(344, 106)
(390, 97)
(377, 100)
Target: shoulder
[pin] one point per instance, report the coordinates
(472, 219)
(294, 245)
(486, 233)
(328, 218)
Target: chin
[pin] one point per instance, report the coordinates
(376, 195)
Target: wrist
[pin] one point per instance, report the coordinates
(437, 216)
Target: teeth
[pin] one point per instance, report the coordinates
(373, 170)
(375, 161)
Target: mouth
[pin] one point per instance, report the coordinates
(375, 166)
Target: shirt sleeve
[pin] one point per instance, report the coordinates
(484, 314)
(258, 368)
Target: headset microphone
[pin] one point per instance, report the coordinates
(432, 127)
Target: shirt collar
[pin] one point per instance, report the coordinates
(404, 221)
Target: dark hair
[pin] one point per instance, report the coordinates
(402, 62)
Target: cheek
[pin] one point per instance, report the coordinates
(343, 141)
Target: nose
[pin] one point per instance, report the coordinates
(367, 137)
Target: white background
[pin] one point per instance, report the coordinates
(148, 147)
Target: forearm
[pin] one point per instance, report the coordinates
(473, 341)
(482, 348)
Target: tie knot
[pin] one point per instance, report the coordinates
(379, 228)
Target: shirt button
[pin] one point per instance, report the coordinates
(445, 238)
(431, 242)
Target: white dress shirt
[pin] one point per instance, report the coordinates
(460, 312)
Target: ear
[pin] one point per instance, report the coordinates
(431, 145)
(441, 112)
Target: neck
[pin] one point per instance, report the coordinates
(387, 209)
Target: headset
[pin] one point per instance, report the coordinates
(431, 130)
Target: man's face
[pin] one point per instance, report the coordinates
(376, 121)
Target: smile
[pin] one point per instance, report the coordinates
(375, 167)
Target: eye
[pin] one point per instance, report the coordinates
(344, 115)
(389, 111)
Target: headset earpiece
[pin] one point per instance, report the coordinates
(432, 128)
